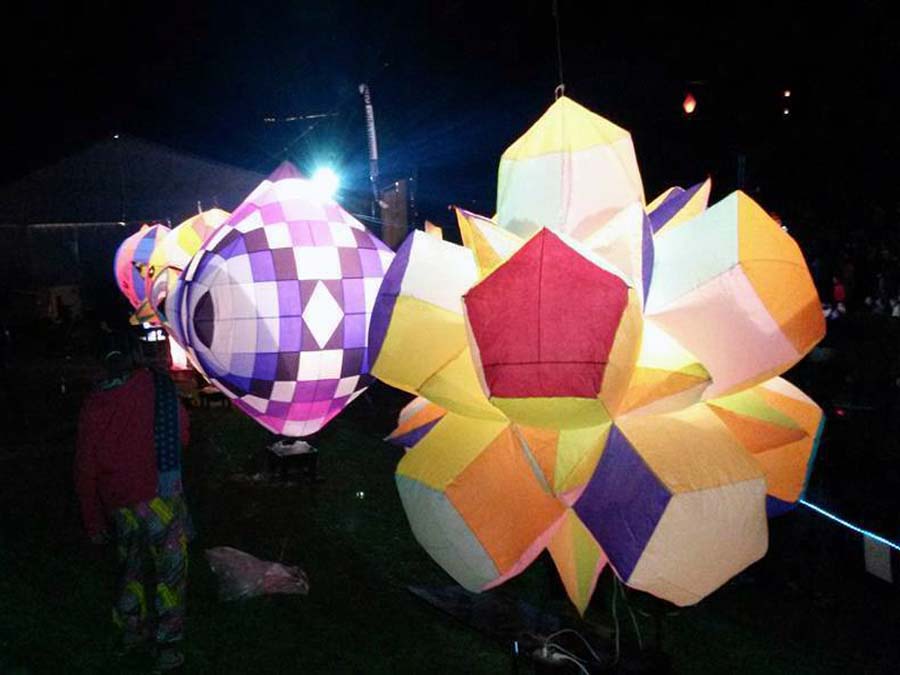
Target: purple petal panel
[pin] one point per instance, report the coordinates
(647, 254)
(672, 205)
(387, 298)
(622, 503)
(777, 507)
(410, 439)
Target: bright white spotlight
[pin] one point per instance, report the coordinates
(325, 182)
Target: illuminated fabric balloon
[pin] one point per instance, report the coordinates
(179, 246)
(274, 308)
(172, 254)
(597, 377)
(132, 262)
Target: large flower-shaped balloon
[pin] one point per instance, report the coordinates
(274, 307)
(597, 376)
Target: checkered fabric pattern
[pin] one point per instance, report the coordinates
(158, 289)
(171, 255)
(131, 262)
(275, 307)
(176, 249)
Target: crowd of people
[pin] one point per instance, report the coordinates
(860, 276)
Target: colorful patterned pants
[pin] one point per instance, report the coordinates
(154, 530)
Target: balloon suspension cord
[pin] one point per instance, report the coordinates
(561, 87)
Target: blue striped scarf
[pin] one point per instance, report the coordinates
(167, 435)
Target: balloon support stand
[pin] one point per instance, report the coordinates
(210, 397)
(296, 457)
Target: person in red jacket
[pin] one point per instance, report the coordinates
(128, 474)
(838, 291)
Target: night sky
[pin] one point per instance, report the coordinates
(455, 82)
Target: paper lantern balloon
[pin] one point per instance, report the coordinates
(132, 262)
(172, 254)
(275, 306)
(177, 248)
(597, 377)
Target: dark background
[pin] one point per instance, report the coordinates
(455, 82)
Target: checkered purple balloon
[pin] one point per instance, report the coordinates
(275, 306)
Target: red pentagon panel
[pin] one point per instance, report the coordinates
(545, 321)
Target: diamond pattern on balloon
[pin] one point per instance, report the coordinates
(322, 315)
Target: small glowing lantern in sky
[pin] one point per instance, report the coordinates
(689, 104)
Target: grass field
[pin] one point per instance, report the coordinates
(808, 607)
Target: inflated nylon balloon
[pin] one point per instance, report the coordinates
(599, 377)
(274, 308)
(172, 254)
(132, 262)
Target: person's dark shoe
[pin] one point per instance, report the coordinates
(132, 643)
(168, 659)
